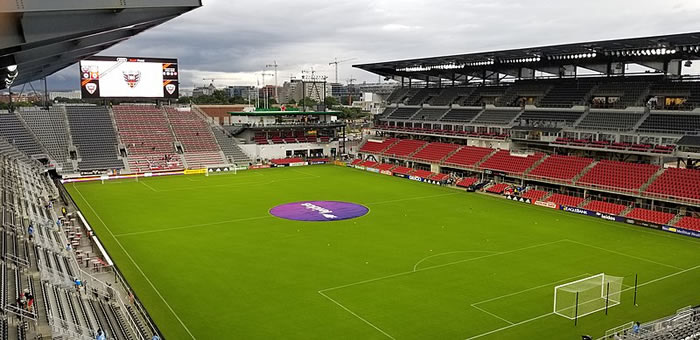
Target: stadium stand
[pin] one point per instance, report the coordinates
(674, 123)
(617, 175)
(196, 137)
(625, 94)
(19, 135)
(449, 95)
(505, 162)
(404, 148)
(403, 113)
(50, 128)
(522, 89)
(421, 173)
(689, 222)
(93, 135)
(652, 216)
(422, 95)
(568, 92)
(435, 152)
(605, 207)
(461, 115)
(610, 120)
(496, 116)
(541, 117)
(498, 188)
(398, 95)
(402, 170)
(534, 195)
(385, 167)
(560, 168)
(468, 156)
(430, 114)
(569, 201)
(678, 183)
(148, 138)
(467, 182)
(372, 146)
(230, 148)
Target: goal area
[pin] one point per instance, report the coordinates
(586, 296)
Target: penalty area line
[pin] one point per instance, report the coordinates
(356, 315)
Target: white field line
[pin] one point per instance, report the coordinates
(624, 290)
(415, 267)
(494, 315)
(148, 186)
(510, 326)
(193, 226)
(529, 289)
(134, 263)
(356, 315)
(439, 266)
(626, 255)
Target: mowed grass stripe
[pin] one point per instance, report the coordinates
(227, 269)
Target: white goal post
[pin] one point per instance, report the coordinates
(586, 296)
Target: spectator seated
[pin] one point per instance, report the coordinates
(652, 216)
(560, 168)
(605, 207)
(506, 162)
(569, 201)
(618, 175)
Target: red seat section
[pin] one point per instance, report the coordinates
(605, 207)
(569, 201)
(498, 188)
(468, 156)
(690, 223)
(385, 167)
(534, 195)
(402, 170)
(404, 148)
(435, 152)
(422, 173)
(652, 216)
(618, 175)
(376, 146)
(682, 183)
(286, 161)
(439, 177)
(356, 162)
(505, 162)
(467, 182)
(369, 164)
(563, 168)
(145, 131)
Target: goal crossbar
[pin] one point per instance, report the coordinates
(587, 296)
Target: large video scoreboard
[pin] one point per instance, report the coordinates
(128, 77)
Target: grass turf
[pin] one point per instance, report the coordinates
(426, 263)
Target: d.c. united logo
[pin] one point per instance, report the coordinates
(132, 78)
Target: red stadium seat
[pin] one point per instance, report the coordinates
(561, 168)
(652, 216)
(605, 207)
(617, 175)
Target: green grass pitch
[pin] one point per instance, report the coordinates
(209, 261)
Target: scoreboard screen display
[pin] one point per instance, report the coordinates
(128, 77)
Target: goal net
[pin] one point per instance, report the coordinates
(587, 296)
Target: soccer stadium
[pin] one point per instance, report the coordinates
(547, 192)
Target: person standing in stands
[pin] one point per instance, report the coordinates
(636, 328)
(100, 335)
(30, 231)
(64, 212)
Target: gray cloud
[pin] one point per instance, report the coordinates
(236, 39)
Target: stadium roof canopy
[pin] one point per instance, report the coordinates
(661, 53)
(42, 37)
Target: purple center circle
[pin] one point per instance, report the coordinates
(319, 211)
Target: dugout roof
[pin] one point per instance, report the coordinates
(654, 52)
(42, 37)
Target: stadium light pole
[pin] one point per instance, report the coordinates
(275, 66)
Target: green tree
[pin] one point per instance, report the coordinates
(331, 102)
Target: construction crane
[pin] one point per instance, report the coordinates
(336, 62)
(213, 79)
(267, 93)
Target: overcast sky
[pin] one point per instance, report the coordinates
(237, 38)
